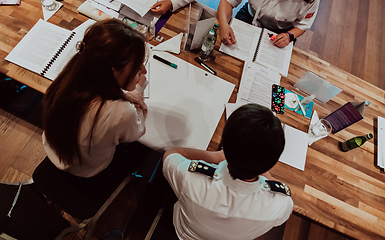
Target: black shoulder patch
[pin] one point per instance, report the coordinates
(279, 187)
(196, 166)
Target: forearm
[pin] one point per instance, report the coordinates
(224, 12)
(196, 154)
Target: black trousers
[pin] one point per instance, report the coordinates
(127, 159)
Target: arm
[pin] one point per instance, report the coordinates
(307, 19)
(283, 39)
(136, 96)
(268, 176)
(161, 7)
(225, 10)
(196, 154)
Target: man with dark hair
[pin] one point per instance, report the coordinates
(227, 194)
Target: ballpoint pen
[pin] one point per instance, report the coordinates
(299, 103)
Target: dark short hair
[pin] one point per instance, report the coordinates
(253, 140)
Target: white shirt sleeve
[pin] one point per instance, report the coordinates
(306, 19)
(175, 167)
(176, 4)
(131, 125)
(288, 209)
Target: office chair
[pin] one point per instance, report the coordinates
(50, 181)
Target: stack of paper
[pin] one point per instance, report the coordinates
(135, 10)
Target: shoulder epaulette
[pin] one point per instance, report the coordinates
(200, 167)
(278, 187)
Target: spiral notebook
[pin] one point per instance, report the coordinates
(254, 45)
(47, 48)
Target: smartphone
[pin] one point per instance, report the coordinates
(278, 99)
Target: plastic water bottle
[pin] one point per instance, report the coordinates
(208, 43)
(354, 142)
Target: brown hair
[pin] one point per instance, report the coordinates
(88, 76)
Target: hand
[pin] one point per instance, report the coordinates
(161, 7)
(282, 40)
(142, 82)
(227, 35)
(136, 97)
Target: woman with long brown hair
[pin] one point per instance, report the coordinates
(96, 104)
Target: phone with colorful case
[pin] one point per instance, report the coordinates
(278, 99)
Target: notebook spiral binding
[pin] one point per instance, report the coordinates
(259, 43)
(53, 59)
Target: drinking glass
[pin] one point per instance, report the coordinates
(50, 5)
(321, 128)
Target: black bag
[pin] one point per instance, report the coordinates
(10, 89)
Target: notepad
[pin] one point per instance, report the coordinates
(254, 45)
(47, 48)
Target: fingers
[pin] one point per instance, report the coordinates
(158, 8)
(227, 35)
(282, 40)
(232, 37)
(161, 7)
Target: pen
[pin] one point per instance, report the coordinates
(166, 62)
(205, 66)
(299, 103)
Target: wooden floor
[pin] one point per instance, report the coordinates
(347, 33)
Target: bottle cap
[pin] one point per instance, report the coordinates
(370, 136)
(367, 103)
(216, 26)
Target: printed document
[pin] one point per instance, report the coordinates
(254, 45)
(256, 85)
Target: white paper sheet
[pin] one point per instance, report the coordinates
(112, 9)
(37, 48)
(139, 6)
(256, 85)
(246, 36)
(294, 153)
(185, 104)
(267, 54)
(69, 51)
(381, 142)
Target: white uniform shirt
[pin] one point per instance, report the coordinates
(222, 208)
(282, 14)
(119, 121)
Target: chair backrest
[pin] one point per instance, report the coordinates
(86, 205)
(51, 182)
(31, 218)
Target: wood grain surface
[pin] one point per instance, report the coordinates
(343, 191)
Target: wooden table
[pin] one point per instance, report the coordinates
(343, 191)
